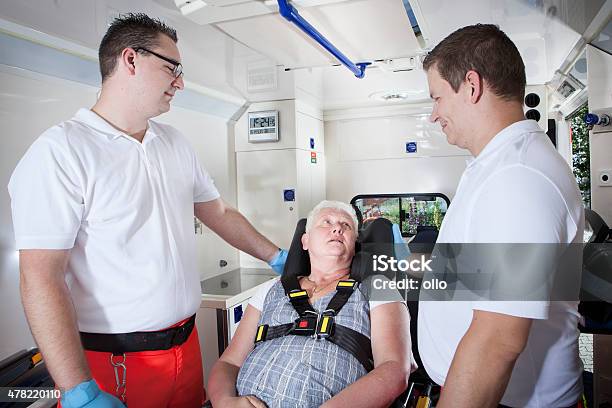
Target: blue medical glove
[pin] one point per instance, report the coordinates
(88, 395)
(401, 248)
(278, 262)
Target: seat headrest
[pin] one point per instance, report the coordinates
(425, 235)
(298, 259)
(601, 231)
(375, 238)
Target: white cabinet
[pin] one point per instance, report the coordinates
(225, 298)
(265, 171)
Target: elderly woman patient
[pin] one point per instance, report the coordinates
(286, 369)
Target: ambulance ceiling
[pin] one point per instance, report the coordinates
(545, 31)
(364, 30)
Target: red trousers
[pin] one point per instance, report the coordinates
(155, 379)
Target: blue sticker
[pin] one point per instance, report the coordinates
(289, 195)
(312, 142)
(237, 313)
(411, 147)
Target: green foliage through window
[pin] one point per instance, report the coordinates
(580, 154)
(423, 213)
(410, 211)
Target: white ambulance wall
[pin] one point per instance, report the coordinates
(82, 23)
(310, 181)
(367, 156)
(262, 175)
(564, 145)
(28, 106)
(31, 103)
(208, 136)
(264, 170)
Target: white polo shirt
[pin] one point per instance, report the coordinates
(126, 210)
(518, 190)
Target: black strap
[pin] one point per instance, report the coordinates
(275, 332)
(297, 296)
(343, 293)
(120, 343)
(299, 301)
(344, 337)
(355, 343)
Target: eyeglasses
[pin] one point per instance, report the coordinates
(177, 71)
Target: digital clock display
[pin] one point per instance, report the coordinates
(263, 126)
(263, 122)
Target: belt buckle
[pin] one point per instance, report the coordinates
(305, 326)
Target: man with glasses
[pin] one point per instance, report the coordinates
(109, 279)
(177, 67)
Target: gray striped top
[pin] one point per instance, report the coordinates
(299, 371)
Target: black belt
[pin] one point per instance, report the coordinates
(119, 343)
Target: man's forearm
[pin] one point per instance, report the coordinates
(52, 319)
(478, 375)
(379, 388)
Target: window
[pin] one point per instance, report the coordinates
(412, 212)
(580, 153)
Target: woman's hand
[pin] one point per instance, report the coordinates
(257, 403)
(247, 401)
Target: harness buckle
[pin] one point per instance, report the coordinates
(262, 332)
(298, 294)
(325, 324)
(305, 325)
(346, 285)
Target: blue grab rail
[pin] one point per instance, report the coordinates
(291, 15)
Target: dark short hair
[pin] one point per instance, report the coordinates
(130, 30)
(485, 49)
